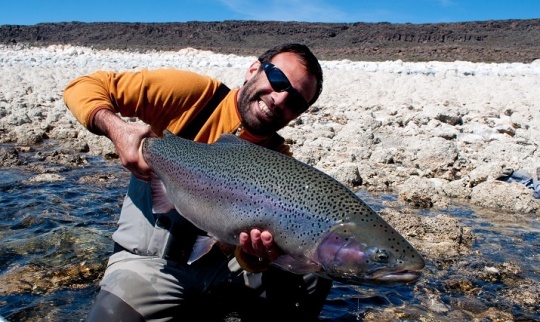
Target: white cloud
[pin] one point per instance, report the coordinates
(282, 10)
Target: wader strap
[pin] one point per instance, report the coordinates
(189, 132)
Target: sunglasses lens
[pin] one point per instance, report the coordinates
(278, 80)
(280, 83)
(297, 103)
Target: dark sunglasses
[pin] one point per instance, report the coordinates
(279, 82)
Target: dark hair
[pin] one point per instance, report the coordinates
(308, 59)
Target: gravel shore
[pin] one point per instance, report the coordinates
(429, 131)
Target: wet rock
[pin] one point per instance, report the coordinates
(10, 157)
(435, 305)
(105, 178)
(75, 146)
(461, 286)
(39, 280)
(500, 272)
(56, 259)
(525, 293)
(470, 304)
(493, 314)
(60, 158)
(47, 177)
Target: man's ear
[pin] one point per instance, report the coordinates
(252, 70)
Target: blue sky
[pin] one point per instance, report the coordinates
(29, 12)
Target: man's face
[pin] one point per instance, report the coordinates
(264, 110)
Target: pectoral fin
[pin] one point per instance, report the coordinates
(160, 202)
(203, 245)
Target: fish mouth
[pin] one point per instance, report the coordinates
(403, 276)
(381, 278)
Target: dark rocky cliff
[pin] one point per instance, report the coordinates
(488, 41)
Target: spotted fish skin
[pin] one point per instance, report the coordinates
(232, 186)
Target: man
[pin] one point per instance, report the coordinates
(147, 278)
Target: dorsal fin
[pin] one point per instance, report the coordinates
(228, 138)
(167, 133)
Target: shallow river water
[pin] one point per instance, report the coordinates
(55, 231)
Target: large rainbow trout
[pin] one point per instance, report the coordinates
(321, 226)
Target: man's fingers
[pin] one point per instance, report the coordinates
(267, 239)
(259, 244)
(245, 243)
(256, 242)
(272, 251)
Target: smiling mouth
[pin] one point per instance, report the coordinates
(265, 109)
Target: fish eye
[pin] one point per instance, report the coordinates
(382, 256)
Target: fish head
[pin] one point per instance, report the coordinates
(353, 254)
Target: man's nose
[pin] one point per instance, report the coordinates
(280, 99)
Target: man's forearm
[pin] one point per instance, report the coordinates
(106, 122)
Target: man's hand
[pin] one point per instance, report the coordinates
(259, 244)
(127, 139)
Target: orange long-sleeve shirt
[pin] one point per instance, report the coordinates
(164, 99)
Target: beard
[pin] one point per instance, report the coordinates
(248, 100)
